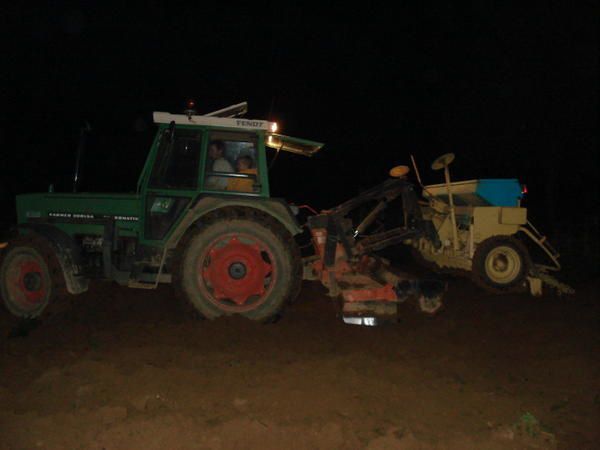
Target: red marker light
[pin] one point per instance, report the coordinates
(190, 109)
(524, 189)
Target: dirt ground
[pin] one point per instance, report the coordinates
(117, 368)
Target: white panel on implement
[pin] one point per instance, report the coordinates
(513, 216)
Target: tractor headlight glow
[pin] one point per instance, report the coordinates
(274, 127)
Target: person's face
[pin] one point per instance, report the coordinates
(242, 164)
(214, 152)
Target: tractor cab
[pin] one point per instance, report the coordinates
(202, 156)
(215, 152)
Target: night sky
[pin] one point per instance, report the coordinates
(513, 92)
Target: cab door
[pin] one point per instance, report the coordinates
(173, 181)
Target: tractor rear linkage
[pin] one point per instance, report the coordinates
(344, 264)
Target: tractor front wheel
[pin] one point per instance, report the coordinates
(239, 264)
(500, 264)
(28, 276)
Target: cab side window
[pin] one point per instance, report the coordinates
(231, 163)
(177, 159)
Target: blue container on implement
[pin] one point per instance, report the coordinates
(500, 192)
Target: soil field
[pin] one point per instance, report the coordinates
(117, 368)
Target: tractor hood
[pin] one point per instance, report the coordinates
(292, 144)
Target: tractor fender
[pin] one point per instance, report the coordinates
(67, 253)
(274, 207)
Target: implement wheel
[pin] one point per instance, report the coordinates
(29, 273)
(239, 263)
(500, 264)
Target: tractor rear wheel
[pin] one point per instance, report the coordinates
(500, 264)
(239, 262)
(29, 275)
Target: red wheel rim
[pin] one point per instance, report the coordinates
(25, 282)
(236, 272)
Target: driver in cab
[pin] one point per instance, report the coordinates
(219, 163)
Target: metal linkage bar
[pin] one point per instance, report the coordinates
(381, 240)
(389, 190)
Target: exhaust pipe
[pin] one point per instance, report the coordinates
(83, 133)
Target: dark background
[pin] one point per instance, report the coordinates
(512, 91)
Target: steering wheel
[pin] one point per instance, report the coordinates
(442, 161)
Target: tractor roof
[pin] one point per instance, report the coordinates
(192, 119)
(216, 119)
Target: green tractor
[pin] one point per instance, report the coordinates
(201, 218)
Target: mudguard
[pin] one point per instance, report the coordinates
(276, 208)
(67, 252)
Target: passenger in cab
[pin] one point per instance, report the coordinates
(243, 164)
